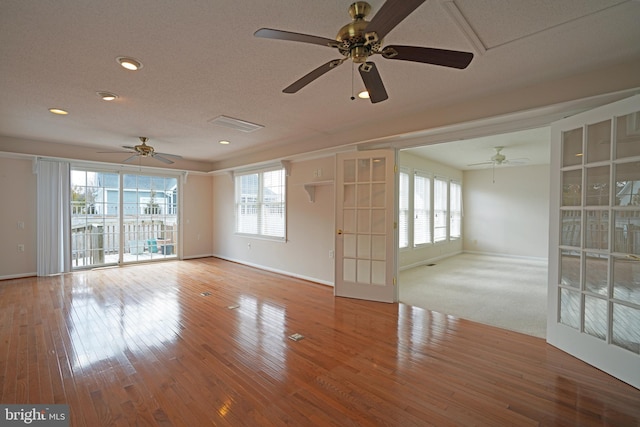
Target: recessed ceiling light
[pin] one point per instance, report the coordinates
(223, 142)
(363, 95)
(58, 111)
(107, 96)
(129, 63)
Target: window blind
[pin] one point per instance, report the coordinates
(403, 227)
(261, 203)
(440, 220)
(421, 209)
(455, 210)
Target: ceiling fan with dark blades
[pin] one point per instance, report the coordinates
(361, 39)
(144, 150)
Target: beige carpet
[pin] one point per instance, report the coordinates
(510, 293)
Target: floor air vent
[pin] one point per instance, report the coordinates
(296, 337)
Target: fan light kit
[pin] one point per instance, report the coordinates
(107, 96)
(361, 39)
(129, 63)
(58, 111)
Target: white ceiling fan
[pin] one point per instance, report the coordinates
(500, 159)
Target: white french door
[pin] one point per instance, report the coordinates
(594, 259)
(365, 221)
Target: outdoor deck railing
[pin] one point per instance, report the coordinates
(90, 242)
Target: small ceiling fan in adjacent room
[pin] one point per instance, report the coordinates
(361, 39)
(144, 150)
(500, 159)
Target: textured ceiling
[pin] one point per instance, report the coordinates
(201, 61)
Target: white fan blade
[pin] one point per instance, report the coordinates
(130, 159)
(162, 159)
(171, 156)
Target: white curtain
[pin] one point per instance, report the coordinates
(54, 217)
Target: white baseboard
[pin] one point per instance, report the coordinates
(278, 271)
(531, 258)
(18, 276)
(433, 260)
(429, 261)
(198, 256)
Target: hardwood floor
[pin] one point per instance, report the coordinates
(140, 345)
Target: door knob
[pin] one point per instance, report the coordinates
(339, 231)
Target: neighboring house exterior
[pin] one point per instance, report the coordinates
(142, 195)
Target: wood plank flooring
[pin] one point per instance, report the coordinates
(140, 345)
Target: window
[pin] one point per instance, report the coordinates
(403, 231)
(421, 209)
(455, 209)
(261, 203)
(441, 214)
(119, 217)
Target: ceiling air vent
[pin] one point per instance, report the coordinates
(236, 124)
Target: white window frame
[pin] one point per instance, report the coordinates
(261, 206)
(440, 213)
(404, 209)
(420, 239)
(455, 210)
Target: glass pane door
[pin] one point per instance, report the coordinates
(594, 289)
(365, 241)
(149, 219)
(94, 218)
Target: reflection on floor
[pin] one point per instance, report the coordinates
(510, 293)
(206, 342)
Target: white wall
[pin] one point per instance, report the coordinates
(197, 211)
(509, 216)
(310, 226)
(411, 257)
(18, 193)
(18, 188)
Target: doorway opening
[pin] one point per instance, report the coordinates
(493, 269)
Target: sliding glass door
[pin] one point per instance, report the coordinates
(150, 213)
(121, 217)
(94, 218)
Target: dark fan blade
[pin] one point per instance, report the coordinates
(128, 147)
(293, 88)
(269, 33)
(130, 159)
(162, 159)
(373, 82)
(428, 55)
(391, 14)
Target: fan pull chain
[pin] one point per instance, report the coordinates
(352, 81)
